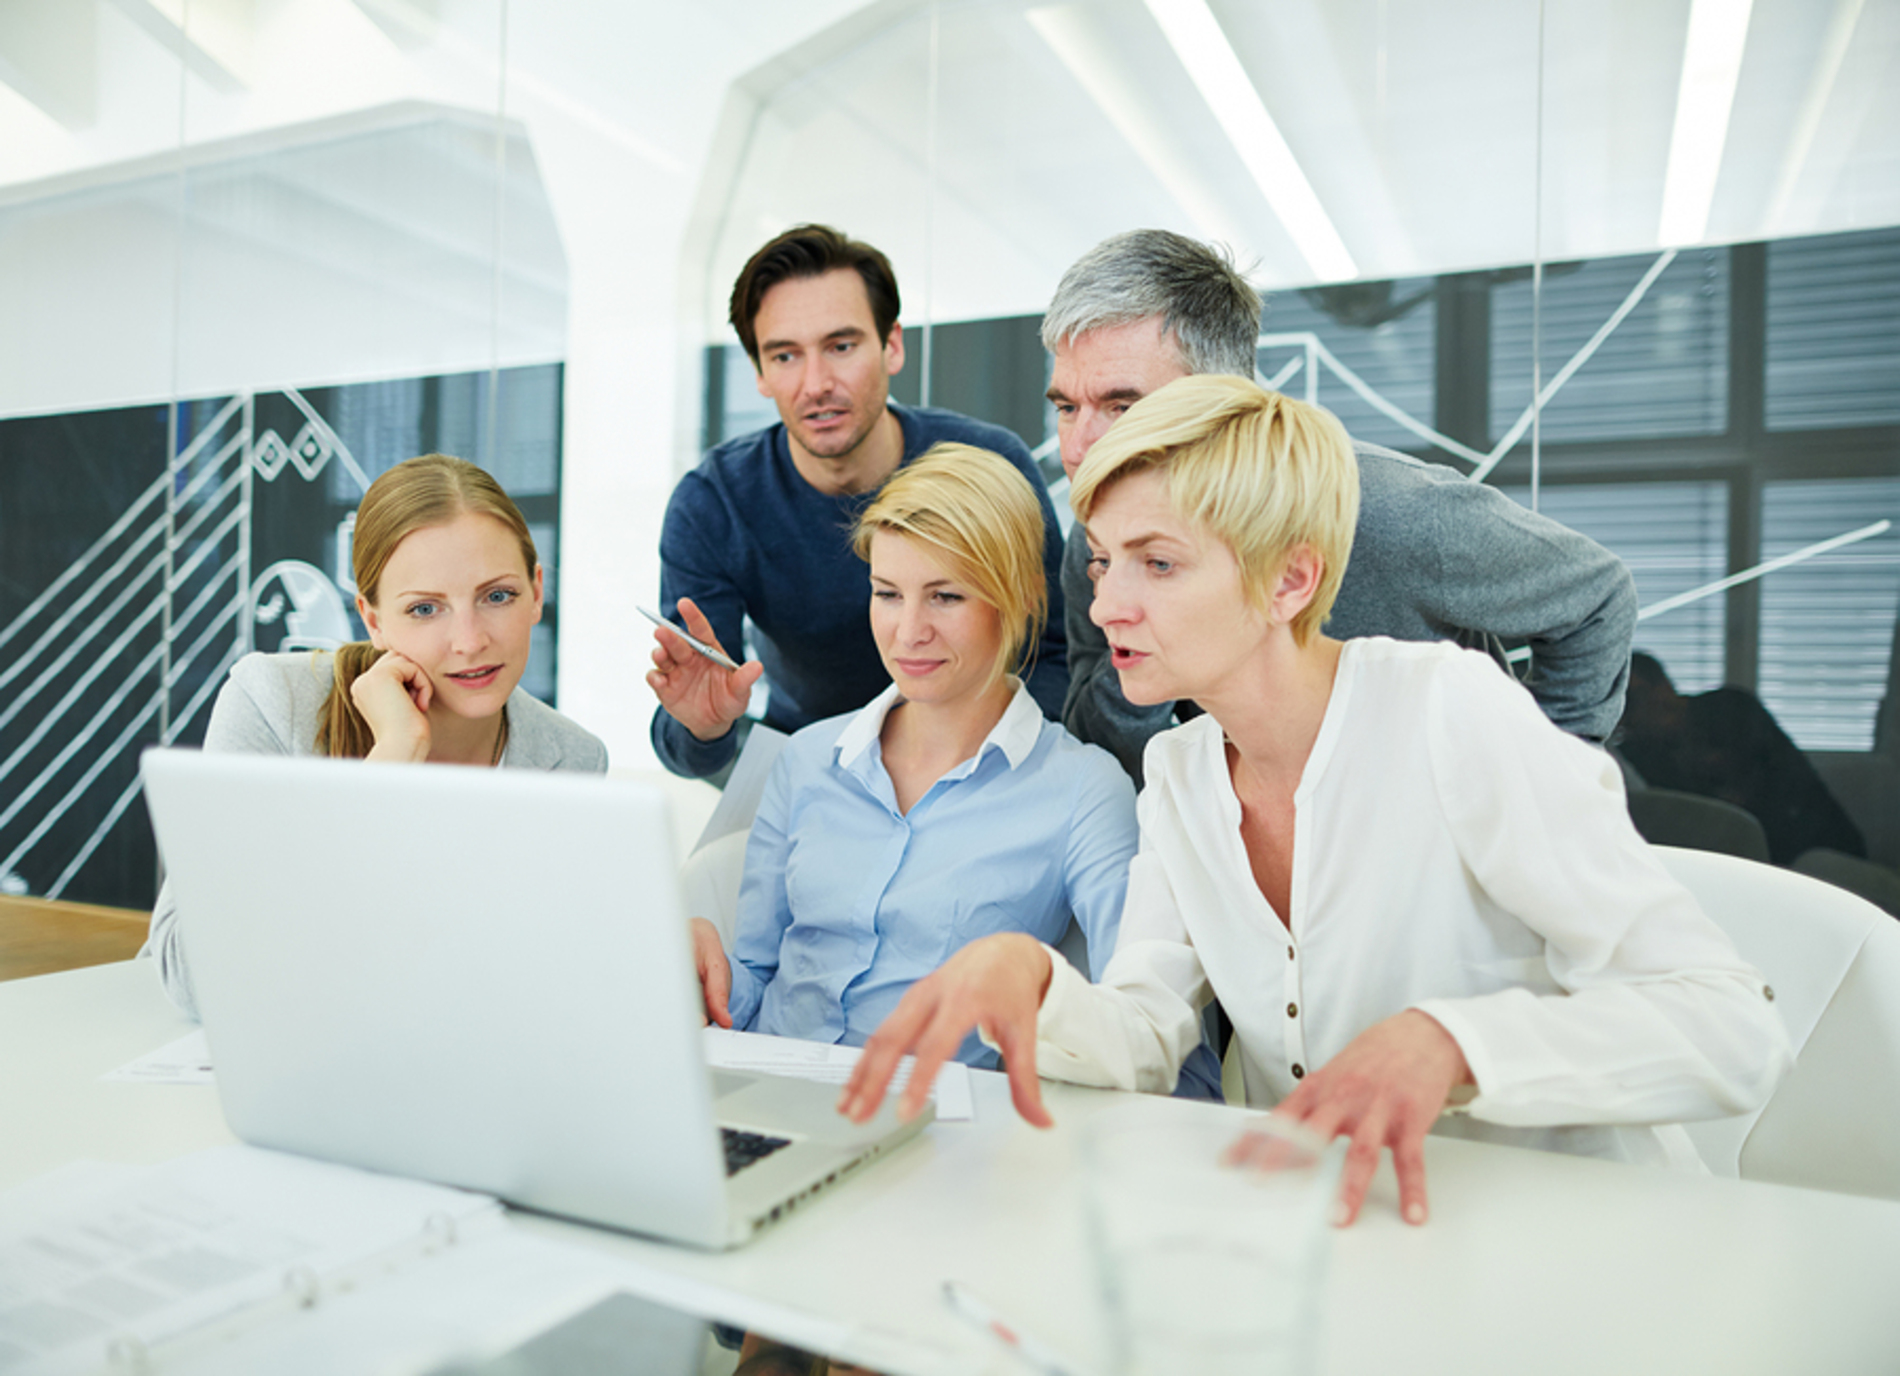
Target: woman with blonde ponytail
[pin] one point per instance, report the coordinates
(449, 588)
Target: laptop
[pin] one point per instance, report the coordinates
(481, 977)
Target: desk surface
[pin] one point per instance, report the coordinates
(1532, 1262)
(39, 936)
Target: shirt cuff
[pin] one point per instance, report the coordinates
(1060, 974)
(1483, 1071)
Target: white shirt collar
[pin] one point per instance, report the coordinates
(1015, 733)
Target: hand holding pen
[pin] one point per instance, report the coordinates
(696, 681)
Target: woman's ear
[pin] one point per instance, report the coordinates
(537, 594)
(370, 623)
(1298, 583)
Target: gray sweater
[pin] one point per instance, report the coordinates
(269, 706)
(1435, 557)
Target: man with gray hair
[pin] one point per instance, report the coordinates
(1436, 556)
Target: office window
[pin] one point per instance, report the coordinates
(1827, 624)
(1382, 331)
(1674, 537)
(1834, 331)
(1662, 371)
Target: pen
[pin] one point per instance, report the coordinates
(963, 1301)
(715, 655)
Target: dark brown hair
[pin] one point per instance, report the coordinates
(429, 491)
(811, 251)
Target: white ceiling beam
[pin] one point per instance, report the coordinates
(1198, 40)
(213, 38)
(1117, 93)
(49, 55)
(409, 24)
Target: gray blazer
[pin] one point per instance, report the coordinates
(269, 706)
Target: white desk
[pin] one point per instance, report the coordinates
(1532, 1263)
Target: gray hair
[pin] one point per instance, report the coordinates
(1202, 300)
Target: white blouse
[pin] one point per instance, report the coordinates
(1453, 852)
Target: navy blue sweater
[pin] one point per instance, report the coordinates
(750, 541)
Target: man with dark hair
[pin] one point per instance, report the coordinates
(759, 532)
(1435, 557)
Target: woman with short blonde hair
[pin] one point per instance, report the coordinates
(1408, 890)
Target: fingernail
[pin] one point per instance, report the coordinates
(1415, 1212)
(1341, 1215)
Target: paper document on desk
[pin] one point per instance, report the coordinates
(100, 1261)
(186, 1061)
(828, 1064)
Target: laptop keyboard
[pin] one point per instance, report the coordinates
(743, 1148)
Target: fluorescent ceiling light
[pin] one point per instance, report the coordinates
(1076, 46)
(1197, 39)
(1711, 62)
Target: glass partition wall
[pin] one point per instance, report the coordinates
(1635, 264)
(242, 327)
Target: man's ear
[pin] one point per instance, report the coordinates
(894, 351)
(1298, 582)
(370, 623)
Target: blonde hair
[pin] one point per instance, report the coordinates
(428, 491)
(1263, 473)
(982, 513)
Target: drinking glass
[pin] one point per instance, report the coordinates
(1205, 1266)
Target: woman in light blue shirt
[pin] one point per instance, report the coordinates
(948, 808)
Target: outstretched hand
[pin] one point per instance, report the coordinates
(994, 985)
(1386, 1089)
(393, 695)
(704, 697)
(715, 972)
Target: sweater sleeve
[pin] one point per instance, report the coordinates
(1483, 563)
(1657, 1019)
(696, 540)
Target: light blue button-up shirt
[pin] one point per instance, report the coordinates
(847, 901)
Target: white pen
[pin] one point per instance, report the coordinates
(716, 655)
(963, 1301)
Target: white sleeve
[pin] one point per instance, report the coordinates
(1661, 1021)
(1134, 1029)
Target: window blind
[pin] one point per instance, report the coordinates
(1834, 331)
(1674, 537)
(1664, 371)
(1827, 624)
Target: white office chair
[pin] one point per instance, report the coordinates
(1833, 961)
(709, 882)
(710, 874)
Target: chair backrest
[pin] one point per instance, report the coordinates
(711, 873)
(709, 882)
(1834, 962)
(1668, 818)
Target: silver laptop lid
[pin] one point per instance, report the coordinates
(477, 976)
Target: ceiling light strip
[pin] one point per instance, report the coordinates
(1216, 69)
(1711, 63)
